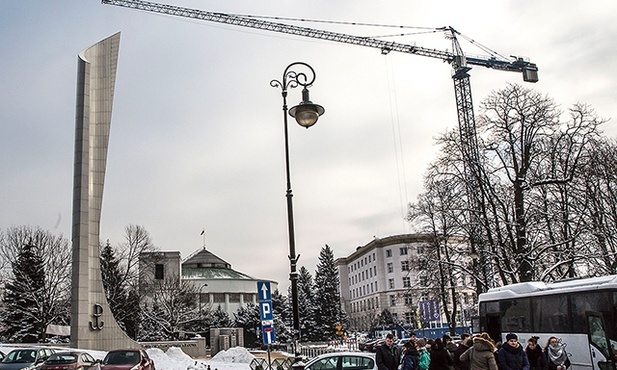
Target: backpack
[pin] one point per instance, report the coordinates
(425, 361)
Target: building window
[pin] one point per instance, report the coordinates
(423, 280)
(408, 299)
(403, 251)
(390, 267)
(159, 271)
(405, 265)
(420, 249)
(406, 282)
(392, 300)
(388, 252)
(408, 317)
(391, 283)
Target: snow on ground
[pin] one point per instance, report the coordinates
(237, 358)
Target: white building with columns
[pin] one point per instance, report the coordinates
(213, 278)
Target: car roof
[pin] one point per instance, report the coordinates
(344, 353)
(69, 352)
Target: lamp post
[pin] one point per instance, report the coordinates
(306, 114)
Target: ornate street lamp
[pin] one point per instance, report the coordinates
(306, 114)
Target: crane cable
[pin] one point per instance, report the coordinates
(398, 143)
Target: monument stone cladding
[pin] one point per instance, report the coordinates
(92, 323)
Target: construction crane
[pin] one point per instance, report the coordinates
(461, 65)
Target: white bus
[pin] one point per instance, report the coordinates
(581, 312)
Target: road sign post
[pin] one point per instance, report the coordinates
(266, 313)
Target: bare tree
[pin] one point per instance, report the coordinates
(172, 309)
(137, 241)
(440, 211)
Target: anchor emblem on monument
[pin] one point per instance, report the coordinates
(98, 311)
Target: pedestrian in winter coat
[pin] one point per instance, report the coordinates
(555, 355)
(386, 355)
(481, 354)
(425, 358)
(411, 358)
(464, 345)
(449, 344)
(534, 354)
(440, 357)
(511, 355)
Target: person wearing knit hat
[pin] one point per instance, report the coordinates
(511, 355)
(511, 336)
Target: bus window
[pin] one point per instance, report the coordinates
(583, 302)
(516, 315)
(552, 314)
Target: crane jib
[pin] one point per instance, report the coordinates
(529, 70)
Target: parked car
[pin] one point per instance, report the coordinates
(127, 359)
(23, 358)
(373, 346)
(368, 345)
(72, 360)
(342, 361)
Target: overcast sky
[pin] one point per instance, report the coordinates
(197, 134)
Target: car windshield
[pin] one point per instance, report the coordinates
(122, 358)
(63, 358)
(20, 356)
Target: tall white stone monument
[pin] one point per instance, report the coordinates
(92, 324)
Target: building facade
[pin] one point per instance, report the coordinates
(216, 283)
(384, 275)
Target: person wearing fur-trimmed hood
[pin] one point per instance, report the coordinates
(480, 356)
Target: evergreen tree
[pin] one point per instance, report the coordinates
(327, 296)
(248, 318)
(220, 318)
(38, 273)
(307, 309)
(23, 297)
(283, 320)
(123, 300)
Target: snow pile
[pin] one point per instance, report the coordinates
(234, 355)
(174, 358)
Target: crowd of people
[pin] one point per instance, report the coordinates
(479, 352)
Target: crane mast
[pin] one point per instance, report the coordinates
(457, 59)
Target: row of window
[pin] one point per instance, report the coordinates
(559, 313)
(363, 275)
(363, 290)
(362, 262)
(406, 282)
(365, 304)
(402, 252)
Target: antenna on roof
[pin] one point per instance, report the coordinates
(203, 233)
